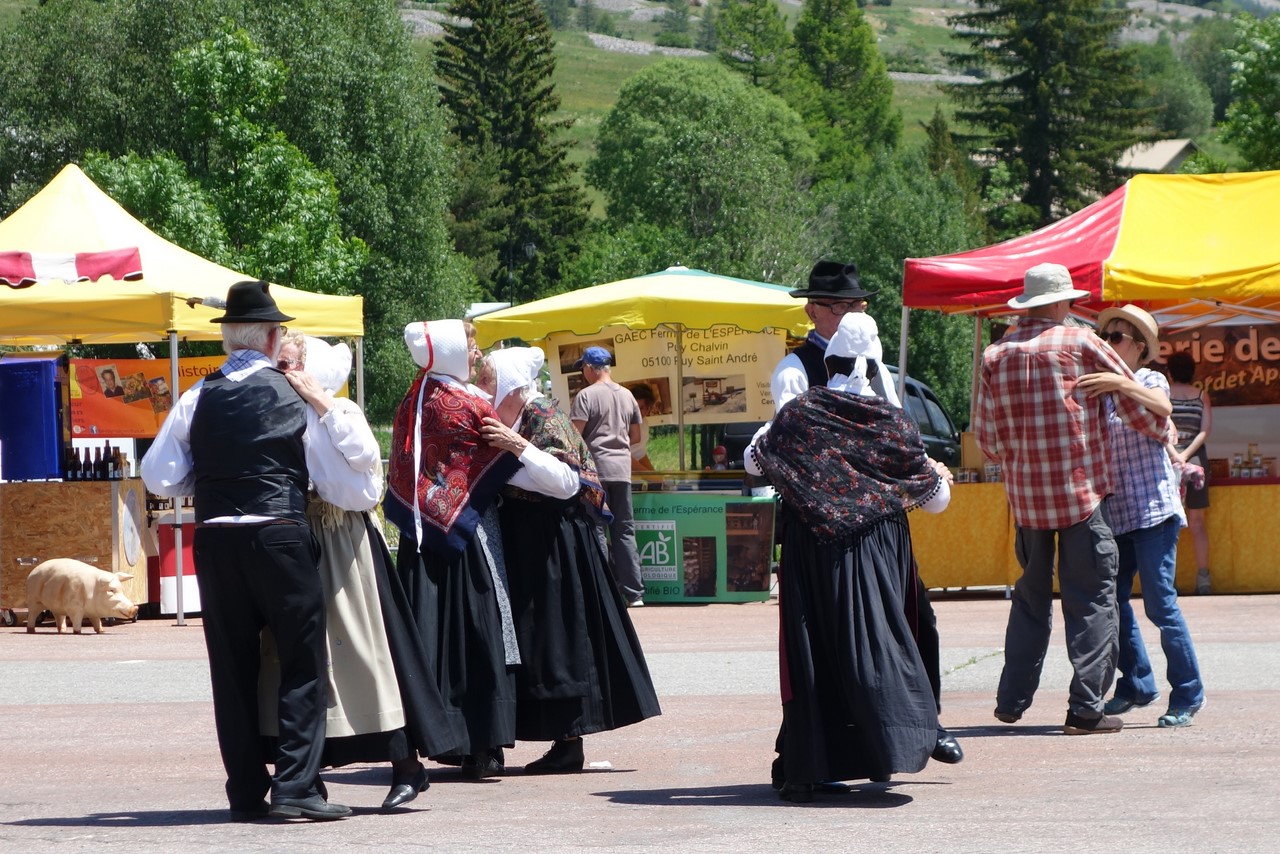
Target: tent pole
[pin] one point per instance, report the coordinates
(360, 373)
(177, 501)
(680, 389)
(976, 372)
(902, 353)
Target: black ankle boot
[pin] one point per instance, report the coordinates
(564, 757)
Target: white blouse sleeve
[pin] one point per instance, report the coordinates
(544, 474)
(749, 459)
(940, 499)
(166, 467)
(343, 457)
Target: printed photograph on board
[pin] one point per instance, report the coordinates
(570, 353)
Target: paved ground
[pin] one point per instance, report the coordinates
(107, 744)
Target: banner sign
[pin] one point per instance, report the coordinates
(726, 370)
(128, 398)
(704, 548)
(1237, 365)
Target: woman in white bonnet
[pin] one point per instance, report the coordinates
(849, 465)
(582, 667)
(382, 705)
(443, 482)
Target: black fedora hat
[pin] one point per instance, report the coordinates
(833, 280)
(249, 302)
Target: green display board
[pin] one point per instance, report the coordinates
(704, 548)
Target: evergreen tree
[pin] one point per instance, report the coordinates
(558, 12)
(674, 28)
(495, 76)
(1058, 107)
(842, 87)
(753, 40)
(706, 38)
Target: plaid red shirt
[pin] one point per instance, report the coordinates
(1050, 440)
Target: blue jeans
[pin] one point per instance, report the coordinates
(1152, 554)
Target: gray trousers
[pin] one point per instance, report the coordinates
(624, 561)
(1087, 561)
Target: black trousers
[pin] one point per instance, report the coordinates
(252, 576)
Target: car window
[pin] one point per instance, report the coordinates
(916, 409)
(942, 425)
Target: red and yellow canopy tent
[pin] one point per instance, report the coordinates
(1194, 250)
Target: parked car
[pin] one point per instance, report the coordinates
(941, 439)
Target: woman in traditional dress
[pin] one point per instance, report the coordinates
(849, 465)
(382, 705)
(444, 479)
(582, 668)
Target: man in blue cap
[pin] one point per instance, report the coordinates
(608, 417)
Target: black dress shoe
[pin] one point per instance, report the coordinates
(253, 813)
(405, 790)
(564, 757)
(796, 793)
(947, 749)
(479, 766)
(314, 807)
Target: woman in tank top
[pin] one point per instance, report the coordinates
(1193, 417)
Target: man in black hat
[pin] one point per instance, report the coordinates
(835, 290)
(235, 442)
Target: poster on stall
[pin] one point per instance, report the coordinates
(725, 373)
(704, 548)
(1238, 365)
(128, 398)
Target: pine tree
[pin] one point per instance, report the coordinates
(842, 86)
(495, 78)
(1058, 105)
(753, 39)
(674, 27)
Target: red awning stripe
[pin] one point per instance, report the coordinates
(22, 269)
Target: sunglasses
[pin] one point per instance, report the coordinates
(1115, 336)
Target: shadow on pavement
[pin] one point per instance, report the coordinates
(868, 796)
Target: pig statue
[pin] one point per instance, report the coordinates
(73, 590)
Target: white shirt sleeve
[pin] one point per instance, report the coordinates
(343, 457)
(166, 467)
(544, 474)
(789, 380)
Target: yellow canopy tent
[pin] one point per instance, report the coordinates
(676, 297)
(71, 214)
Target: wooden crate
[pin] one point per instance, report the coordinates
(99, 522)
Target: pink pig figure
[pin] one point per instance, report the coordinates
(73, 590)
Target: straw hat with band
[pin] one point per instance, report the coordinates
(1140, 320)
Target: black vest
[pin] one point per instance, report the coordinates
(813, 358)
(246, 448)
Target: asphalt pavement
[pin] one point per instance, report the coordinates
(107, 744)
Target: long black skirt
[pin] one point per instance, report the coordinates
(582, 667)
(856, 698)
(455, 608)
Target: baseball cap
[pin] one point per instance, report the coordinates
(596, 357)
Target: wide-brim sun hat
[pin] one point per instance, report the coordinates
(1045, 284)
(1141, 320)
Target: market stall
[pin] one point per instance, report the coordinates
(1199, 252)
(52, 251)
(704, 346)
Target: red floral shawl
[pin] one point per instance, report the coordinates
(438, 492)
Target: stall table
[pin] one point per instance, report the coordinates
(698, 545)
(970, 544)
